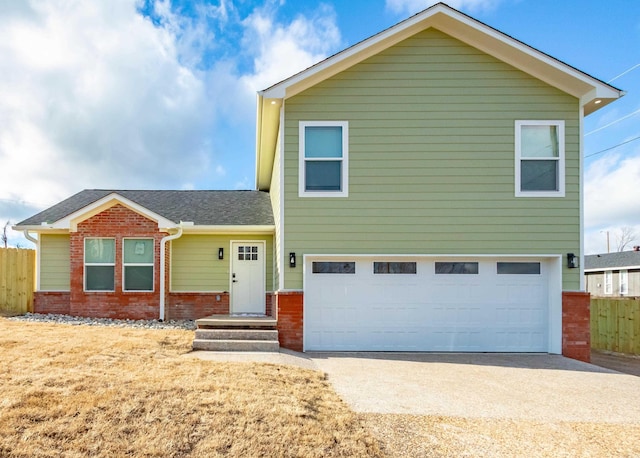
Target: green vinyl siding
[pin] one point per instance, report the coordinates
(55, 259)
(431, 159)
(195, 266)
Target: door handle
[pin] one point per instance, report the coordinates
(233, 276)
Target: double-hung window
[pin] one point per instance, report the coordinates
(138, 264)
(608, 282)
(99, 264)
(624, 282)
(539, 158)
(324, 154)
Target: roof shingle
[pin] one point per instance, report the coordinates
(204, 208)
(603, 261)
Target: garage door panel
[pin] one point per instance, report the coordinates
(425, 311)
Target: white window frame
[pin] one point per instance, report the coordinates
(624, 281)
(139, 264)
(561, 159)
(608, 282)
(344, 192)
(85, 264)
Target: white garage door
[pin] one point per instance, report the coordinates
(392, 304)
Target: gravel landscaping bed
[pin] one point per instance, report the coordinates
(77, 320)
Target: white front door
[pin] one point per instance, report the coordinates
(247, 277)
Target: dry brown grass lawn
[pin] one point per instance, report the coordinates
(97, 391)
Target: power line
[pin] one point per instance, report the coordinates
(613, 147)
(613, 122)
(624, 72)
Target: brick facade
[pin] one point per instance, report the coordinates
(576, 330)
(117, 222)
(51, 302)
(289, 306)
(190, 306)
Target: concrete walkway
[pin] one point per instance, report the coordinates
(530, 387)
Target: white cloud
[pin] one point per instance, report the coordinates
(283, 50)
(612, 200)
(93, 95)
(414, 6)
(96, 95)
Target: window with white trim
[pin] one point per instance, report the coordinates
(99, 264)
(624, 282)
(324, 159)
(608, 282)
(137, 264)
(540, 151)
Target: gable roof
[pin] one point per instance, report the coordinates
(612, 261)
(169, 208)
(592, 92)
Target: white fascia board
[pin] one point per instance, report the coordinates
(266, 229)
(43, 228)
(71, 221)
(603, 269)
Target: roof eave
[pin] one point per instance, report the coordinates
(267, 128)
(44, 227)
(602, 269)
(230, 229)
(468, 30)
(71, 221)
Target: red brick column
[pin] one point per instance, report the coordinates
(289, 306)
(576, 326)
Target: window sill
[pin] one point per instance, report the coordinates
(540, 194)
(323, 194)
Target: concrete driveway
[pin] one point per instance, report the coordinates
(525, 386)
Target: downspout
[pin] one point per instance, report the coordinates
(35, 242)
(163, 251)
(29, 237)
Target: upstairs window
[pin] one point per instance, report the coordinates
(324, 152)
(539, 158)
(99, 264)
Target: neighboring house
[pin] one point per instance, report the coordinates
(425, 190)
(613, 274)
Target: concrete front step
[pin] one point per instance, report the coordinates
(237, 334)
(236, 345)
(227, 321)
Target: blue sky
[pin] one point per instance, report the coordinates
(139, 94)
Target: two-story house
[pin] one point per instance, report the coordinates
(418, 191)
